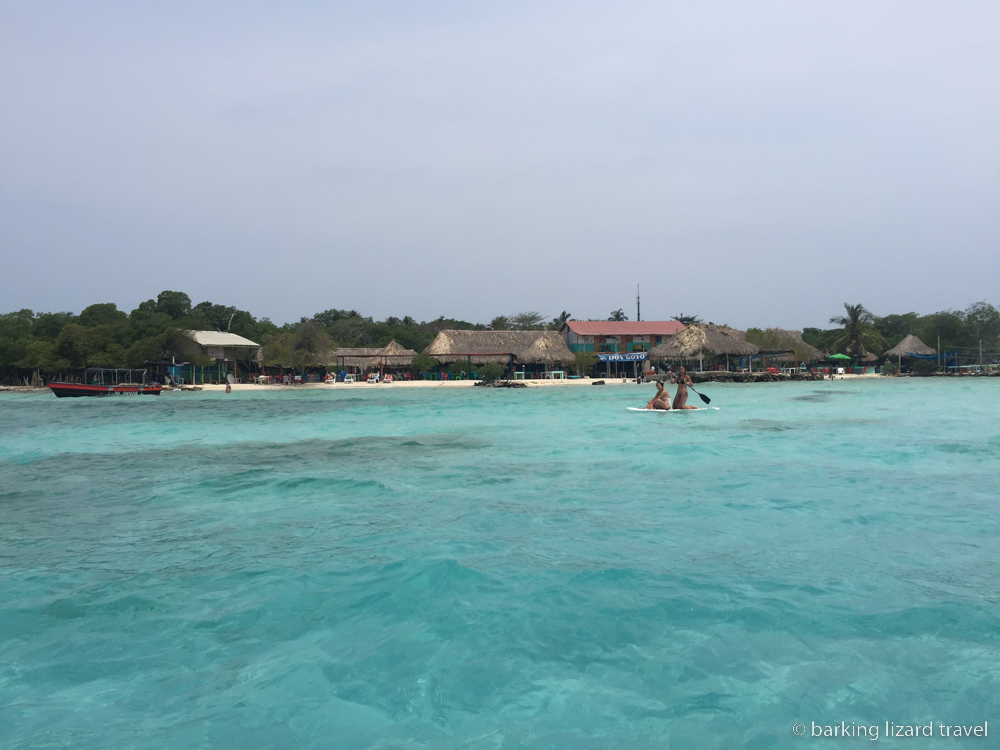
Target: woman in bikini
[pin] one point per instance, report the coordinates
(683, 380)
(662, 398)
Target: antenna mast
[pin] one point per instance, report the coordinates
(637, 315)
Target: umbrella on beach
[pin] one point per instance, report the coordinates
(838, 356)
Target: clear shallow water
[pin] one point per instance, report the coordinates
(503, 569)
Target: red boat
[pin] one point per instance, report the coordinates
(104, 382)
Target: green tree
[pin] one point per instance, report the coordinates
(41, 355)
(560, 320)
(490, 372)
(424, 363)
(353, 331)
(618, 315)
(527, 321)
(175, 304)
(982, 323)
(328, 317)
(946, 324)
(895, 327)
(821, 339)
(859, 335)
(687, 320)
(500, 323)
(584, 362)
(308, 345)
(101, 314)
(48, 325)
(76, 345)
(16, 325)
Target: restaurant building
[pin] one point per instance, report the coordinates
(617, 337)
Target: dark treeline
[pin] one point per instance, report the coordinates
(104, 336)
(967, 329)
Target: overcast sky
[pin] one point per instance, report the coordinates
(752, 163)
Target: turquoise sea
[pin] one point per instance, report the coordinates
(470, 568)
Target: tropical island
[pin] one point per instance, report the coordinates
(208, 343)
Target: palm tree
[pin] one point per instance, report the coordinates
(560, 320)
(860, 335)
(618, 315)
(687, 320)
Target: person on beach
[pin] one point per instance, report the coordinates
(662, 398)
(683, 380)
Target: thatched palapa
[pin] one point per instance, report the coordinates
(780, 343)
(531, 347)
(391, 355)
(548, 349)
(700, 339)
(910, 345)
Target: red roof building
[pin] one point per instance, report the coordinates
(618, 336)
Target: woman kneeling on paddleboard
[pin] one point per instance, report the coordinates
(662, 398)
(683, 380)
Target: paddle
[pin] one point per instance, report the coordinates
(704, 398)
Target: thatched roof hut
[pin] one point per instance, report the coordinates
(397, 355)
(781, 342)
(355, 356)
(533, 347)
(392, 355)
(910, 345)
(699, 339)
(547, 349)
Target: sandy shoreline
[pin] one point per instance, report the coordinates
(243, 387)
(405, 384)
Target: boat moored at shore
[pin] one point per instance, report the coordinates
(99, 381)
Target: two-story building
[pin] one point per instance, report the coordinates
(617, 337)
(231, 355)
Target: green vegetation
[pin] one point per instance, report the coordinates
(979, 322)
(306, 345)
(53, 343)
(104, 336)
(522, 321)
(774, 340)
(687, 320)
(860, 336)
(490, 371)
(583, 362)
(424, 363)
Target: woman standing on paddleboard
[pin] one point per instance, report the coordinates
(682, 380)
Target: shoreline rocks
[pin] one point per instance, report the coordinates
(500, 384)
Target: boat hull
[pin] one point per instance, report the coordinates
(74, 390)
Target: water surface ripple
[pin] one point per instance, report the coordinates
(521, 569)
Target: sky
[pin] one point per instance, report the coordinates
(755, 164)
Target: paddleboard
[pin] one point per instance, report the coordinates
(671, 411)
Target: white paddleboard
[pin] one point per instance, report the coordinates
(672, 411)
